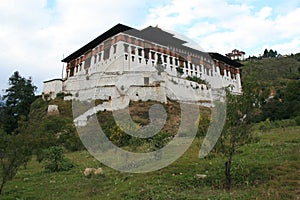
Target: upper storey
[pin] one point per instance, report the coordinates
(123, 48)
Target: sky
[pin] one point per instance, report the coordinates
(35, 35)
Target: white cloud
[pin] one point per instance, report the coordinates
(221, 26)
(287, 48)
(34, 38)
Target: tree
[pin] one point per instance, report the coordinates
(292, 98)
(15, 152)
(236, 132)
(18, 98)
(15, 149)
(266, 53)
(285, 104)
(271, 53)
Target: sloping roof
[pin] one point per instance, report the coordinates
(220, 57)
(111, 32)
(150, 33)
(56, 79)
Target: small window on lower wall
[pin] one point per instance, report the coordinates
(146, 80)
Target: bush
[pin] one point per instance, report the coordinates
(197, 80)
(267, 124)
(55, 161)
(297, 120)
(159, 140)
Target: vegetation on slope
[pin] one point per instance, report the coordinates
(268, 169)
(279, 82)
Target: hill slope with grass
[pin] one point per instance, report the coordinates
(279, 83)
(268, 169)
(272, 72)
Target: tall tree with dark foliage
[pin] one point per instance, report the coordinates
(17, 100)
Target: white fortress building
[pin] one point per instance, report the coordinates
(148, 64)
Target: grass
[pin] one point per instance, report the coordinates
(269, 169)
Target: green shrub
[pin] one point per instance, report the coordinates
(297, 120)
(197, 80)
(267, 124)
(55, 161)
(159, 140)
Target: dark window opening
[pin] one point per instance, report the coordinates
(115, 48)
(126, 57)
(132, 58)
(106, 53)
(159, 61)
(126, 48)
(71, 72)
(87, 62)
(152, 55)
(146, 53)
(132, 50)
(140, 52)
(165, 58)
(95, 59)
(146, 80)
(171, 60)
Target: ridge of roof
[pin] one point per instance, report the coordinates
(109, 33)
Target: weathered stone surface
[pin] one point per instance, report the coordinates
(53, 110)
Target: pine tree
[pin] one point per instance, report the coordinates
(17, 100)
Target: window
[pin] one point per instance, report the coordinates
(146, 80)
(159, 58)
(146, 53)
(87, 62)
(140, 52)
(99, 58)
(171, 60)
(165, 58)
(106, 53)
(126, 48)
(152, 55)
(95, 59)
(132, 50)
(115, 48)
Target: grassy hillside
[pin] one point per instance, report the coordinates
(273, 72)
(268, 169)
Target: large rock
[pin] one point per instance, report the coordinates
(53, 110)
